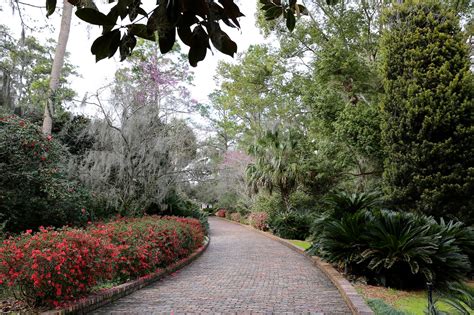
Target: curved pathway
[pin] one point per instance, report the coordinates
(241, 272)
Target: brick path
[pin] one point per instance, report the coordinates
(241, 272)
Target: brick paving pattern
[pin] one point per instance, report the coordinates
(241, 272)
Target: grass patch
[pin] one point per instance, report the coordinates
(381, 308)
(406, 302)
(302, 244)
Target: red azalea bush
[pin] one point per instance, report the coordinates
(259, 220)
(221, 213)
(55, 266)
(52, 266)
(147, 243)
(235, 217)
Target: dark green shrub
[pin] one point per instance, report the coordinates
(400, 248)
(341, 241)
(396, 249)
(34, 187)
(72, 134)
(291, 225)
(209, 210)
(342, 202)
(268, 203)
(428, 112)
(301, 202)
(179, 205)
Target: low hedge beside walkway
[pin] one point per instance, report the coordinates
(52, 267)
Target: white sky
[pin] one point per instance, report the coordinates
(95, 75)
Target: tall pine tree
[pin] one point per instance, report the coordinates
(428, 112)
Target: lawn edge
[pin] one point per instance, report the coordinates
(354, 300)
(105, 297)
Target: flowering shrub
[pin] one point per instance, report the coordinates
(55, 266)
(259, 220)
(221, 213)
(35, 189)
(235, 217)
(147, 243)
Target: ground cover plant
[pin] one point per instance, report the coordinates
(392, 301)
(51, 267)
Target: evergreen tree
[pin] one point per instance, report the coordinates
(428, 115)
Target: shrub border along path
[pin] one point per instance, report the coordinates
(353, 299)
(102, 298)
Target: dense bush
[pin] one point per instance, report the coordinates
(428, 112)
(396, 249)
(34, 188)
(235, 217)
(259, 220)
(303, 202)
(177, 204)
(267, 203)
(342, 202)
(54, 266)
(221, 213)
(291, 225)
(147, 243)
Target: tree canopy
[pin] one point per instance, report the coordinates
(197, 24)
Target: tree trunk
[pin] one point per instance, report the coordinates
(6, 91)
(57, 66)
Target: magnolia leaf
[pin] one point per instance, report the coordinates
(200, 43)
(141, 31)
(166, 40)
(290, 20)
(127, 44)
(231, 10)
(102, 46)
(273, 13)
(50, 7)
(185, 35)
(114, 43)
(222, 41)
(95, 17)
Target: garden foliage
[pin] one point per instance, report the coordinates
(35, 189)
(291, 225)
(221, 213)
(236, 217)
(54, 266)
(259, 220)
(428, 112)
(397, 249)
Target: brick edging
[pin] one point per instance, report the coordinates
(353, 299)
(95, 301)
